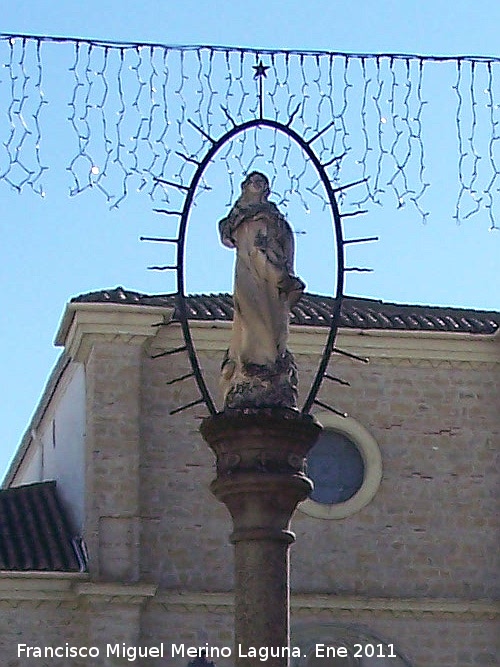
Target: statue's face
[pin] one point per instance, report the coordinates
(256, 185)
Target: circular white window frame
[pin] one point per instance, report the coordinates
(372, 460)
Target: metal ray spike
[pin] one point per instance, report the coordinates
(354, 213)
(358, 269)
(365, 239)
(158, 239)
(329, 407)
(188, 405)
(207, 136)
(365, 360)
(162, 268)
(172, 184)
(179, 379)
(169, 352)
(187, 158)
(166, 211)
(228, 115)
(294, 112)
(337, 158)
(166, 324)
(318, 135)
(349, 185)
(338, 380)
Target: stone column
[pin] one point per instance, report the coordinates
(261, 479)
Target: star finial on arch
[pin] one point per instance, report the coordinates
(260, 70)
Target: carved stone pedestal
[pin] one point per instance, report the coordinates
(261, 479)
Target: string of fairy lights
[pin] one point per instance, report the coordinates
(121, 116)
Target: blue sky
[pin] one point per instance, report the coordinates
(60, 246)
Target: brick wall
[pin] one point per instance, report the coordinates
(430, 533)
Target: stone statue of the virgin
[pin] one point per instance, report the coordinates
(258, 370)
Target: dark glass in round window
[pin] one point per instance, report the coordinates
(336, 467)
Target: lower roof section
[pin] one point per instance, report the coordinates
(35, 534)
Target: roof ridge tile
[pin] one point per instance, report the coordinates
(316, 310)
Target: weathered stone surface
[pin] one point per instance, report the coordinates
(261, 479)
(258, 370)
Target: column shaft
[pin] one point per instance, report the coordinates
(261, 479)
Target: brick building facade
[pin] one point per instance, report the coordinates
(407, 566)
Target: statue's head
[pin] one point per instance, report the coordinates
(256, 186)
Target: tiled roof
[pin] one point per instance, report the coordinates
(315, 310)
(34, 531)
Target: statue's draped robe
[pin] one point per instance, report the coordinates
(265, 288)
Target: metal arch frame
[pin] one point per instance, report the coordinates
(181, 244)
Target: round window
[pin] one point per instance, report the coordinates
(345, 466)
(336, 467)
